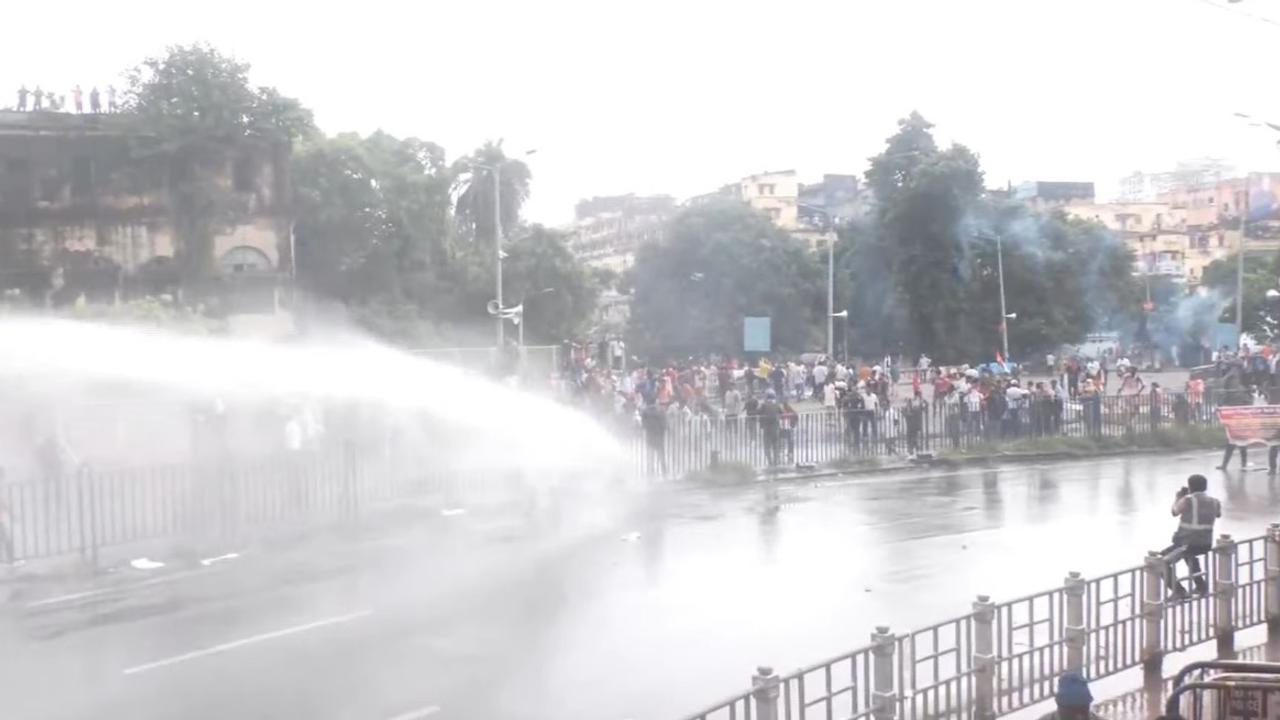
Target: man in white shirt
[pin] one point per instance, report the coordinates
(820, 374)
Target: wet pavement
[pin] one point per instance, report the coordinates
(615, 603)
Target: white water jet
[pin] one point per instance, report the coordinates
(494, 426)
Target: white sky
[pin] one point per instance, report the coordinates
(681, 96)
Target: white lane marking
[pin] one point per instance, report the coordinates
(246, 641)
(120, 589)
(427, 711)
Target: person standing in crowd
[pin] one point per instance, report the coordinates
(870, 413)
(732, 408)
(751, 409)
(77, 98)
(95, 101)
(853, 406)
(1059, 404)
(778, 379)
(829, 396)
(1091, 407)
(22, 98)
(915, 420)
(1157, 406)
(111, 99)
(38, 100)
(789, 419)
(770, 426)
(1196, 511)
(820, 372)
(654, 423)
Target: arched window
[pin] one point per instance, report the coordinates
(244, 259)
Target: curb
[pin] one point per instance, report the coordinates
(992, 460)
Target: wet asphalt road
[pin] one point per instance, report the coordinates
(621, 603)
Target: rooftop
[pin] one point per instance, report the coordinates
(13, 122)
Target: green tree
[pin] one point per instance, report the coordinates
(1261, 274)
(201, 116)
(924, 195)
(719, 263)
(474, 185)
(558, 293)
(374, 219)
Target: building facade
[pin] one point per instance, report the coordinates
(85, 211)
(608, 230)
(775, 194)
(1162, 237)
(1043, 195)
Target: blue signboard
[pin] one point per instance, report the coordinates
(756, 334)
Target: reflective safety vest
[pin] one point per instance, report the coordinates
(1196, 524)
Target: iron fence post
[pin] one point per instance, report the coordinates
(1224, 594)
(1075, 632)
(882, 696)
(1153, 615)
(984, 658)
(764, 693)
(1272, 585)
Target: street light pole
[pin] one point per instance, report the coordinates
(1244, 222)
(497, 246)
(1004, 314)
(831, 296)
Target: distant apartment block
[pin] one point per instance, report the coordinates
(608, 230)
(1043, 195)
(775, 194)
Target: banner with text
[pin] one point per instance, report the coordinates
(1253, 425)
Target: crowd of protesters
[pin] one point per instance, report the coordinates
(877, 407)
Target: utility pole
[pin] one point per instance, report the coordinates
(497, 247)
(1004, 314)
(1244, 222)
(831, 295)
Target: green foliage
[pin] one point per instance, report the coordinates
(722, 262)
(541, 261)
(923, 275)
(373, 216)
(1261, 273)
(375, 230)
(157, 311)
(474, 183)
(200, 115)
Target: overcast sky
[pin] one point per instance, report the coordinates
(681, 97)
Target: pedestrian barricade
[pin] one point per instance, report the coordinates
(1002, 657)
(693, 441)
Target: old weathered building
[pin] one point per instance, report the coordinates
(87, 209)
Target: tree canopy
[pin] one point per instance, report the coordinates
(722, 262)
(200, 115)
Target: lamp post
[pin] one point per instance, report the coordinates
(1004, 313)
(495, 172)
(844, 337)
(519, 317)
(831, 274)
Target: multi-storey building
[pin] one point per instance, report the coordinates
(86, 210)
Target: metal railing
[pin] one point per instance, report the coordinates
(90, 509)
(688, 441)
(1004, 657)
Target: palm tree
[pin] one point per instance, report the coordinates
(474, 186)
